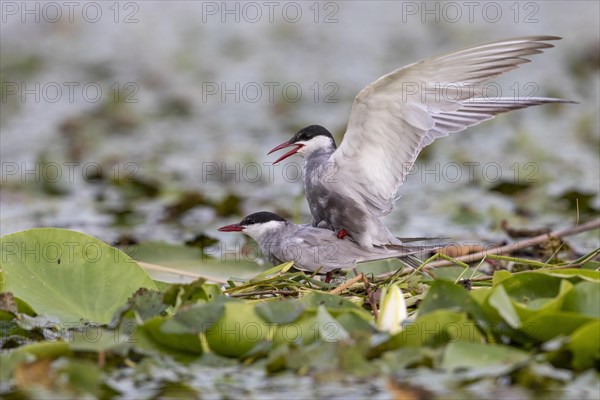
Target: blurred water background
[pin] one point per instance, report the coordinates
(151, 121)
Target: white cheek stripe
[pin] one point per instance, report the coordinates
(258, 230)
(315, 143)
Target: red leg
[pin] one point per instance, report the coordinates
(328, 277)
(342, 234)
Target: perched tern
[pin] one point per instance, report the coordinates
(311, 248)
(350, 187)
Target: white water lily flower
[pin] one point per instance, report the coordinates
(392, 310)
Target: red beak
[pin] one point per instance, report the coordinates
(231, 228)
(289, 153)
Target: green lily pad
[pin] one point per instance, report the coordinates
(548, 325)
(584, 299)
(195, 319)
(536, 306)
(528, 287)
(500, 276)
(280, 312)
(238, 330)
(404, 357)
(97, 339)
(500, 301)
(303, 331)
(68, 274)
(585, 274)
(334, 304)
(353, 322)
(591, 265)
(533, 293)
(187, 342)
(44, 350)
(198, 291)
(445, 295)
(585, 345)
(330, 330)
(435, 329)
(478, 355)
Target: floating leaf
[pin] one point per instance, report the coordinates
(584, 298)
(43, 350)
(585, 345)
(478, 355)
(143, 305)
(334, 304)
(302, 331)
(585, 274)
(237, 331)
(329, 329)
(527, 287)
(280, 312)
(434, 329)
(500, 301)
(500, 276)
(531, 296)
(186, 342)
(178, 295)
(68, 274)
(445, 295)
(195, 319)
(97, 339)
(551, 324)
(353, 322)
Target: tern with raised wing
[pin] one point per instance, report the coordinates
(351, 187)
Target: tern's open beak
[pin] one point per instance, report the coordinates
(289, 153)
(231, 228)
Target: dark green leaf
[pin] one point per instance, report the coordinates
(585, 345)
(68, 274)
(479, 355)
(195, 319)
(186, 342)
(280, 311)
(584, 298)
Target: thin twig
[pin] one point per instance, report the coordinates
(511, 248)
(558, 267)
(266, 292)
(101, 359)
(370, 296)
(347, 284)
(154, 267)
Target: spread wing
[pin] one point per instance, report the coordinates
(393, 118)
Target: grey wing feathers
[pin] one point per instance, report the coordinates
(475, 111)
(393, 118)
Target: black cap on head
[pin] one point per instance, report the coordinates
(310, 132)
(260, 217)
